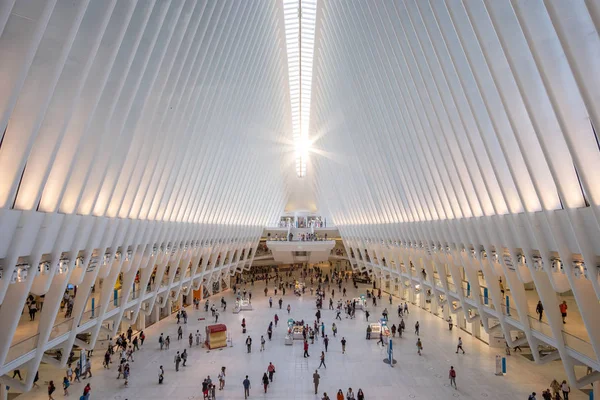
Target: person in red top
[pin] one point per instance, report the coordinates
(306, 349)
(86, 391)
(563, 310)
(271, 371)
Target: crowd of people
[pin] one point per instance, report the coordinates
(323, 287)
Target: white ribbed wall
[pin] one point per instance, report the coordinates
(146, 130)
(459, 134)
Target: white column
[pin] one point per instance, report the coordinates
(3, 392)
(141, 321)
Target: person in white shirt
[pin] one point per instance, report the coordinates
(350, 394)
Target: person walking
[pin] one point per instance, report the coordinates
(222, 378)
(179, 333)
(539, 309)
(265, 381)
(316, 380)
(460, 346)
(249, 344)
(276, 319)
(417, 328)
(306, 349)
(18, 372)
(161, 375)
(326, 342)
(381, 339)
(322, 360)
(161, 341)
(271, 371)
(280, 302)
(563, 310)
(367, 314)
(289, 308)
(246, 384)
(262, 342)
(177, 360)
(555, 386)
(198, 336)
(343, 345)
(566, 389)
(87, 390)
(270, 302)
(452, 376)
(88, 369)
(66, 384)
(51, 389)
(419, 346)
(184, 356)
(334, 329)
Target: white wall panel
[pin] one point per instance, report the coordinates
(450, 136)
(153, 128)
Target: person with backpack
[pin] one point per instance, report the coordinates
(452, 376)
(184, 356)
(51, 389)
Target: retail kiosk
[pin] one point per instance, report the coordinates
(216, 336)
(377, 327)
(241, 305)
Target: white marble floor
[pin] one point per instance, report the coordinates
(414, 376)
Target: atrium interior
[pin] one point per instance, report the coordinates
(160, 155)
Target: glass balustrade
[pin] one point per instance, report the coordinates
(22, 347)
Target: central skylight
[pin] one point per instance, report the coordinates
(300, 17)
